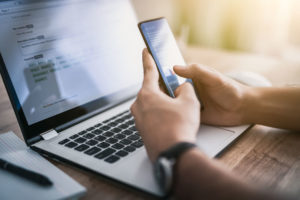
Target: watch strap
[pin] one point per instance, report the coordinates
(175, 151)
(165, 177)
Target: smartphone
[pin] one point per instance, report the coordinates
(162, 45)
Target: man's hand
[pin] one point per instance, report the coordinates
(222, 98)
(161, 120)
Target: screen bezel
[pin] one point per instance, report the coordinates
(99, 105)
(161, 73)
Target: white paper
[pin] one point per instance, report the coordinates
(14, 150)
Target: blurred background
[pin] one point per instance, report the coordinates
(262, 26)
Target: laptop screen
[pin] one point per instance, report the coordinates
(62, 54)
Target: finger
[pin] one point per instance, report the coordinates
(133, 109)
(162, 86)
(201, 73)
(185, 90)
(184, 71)
(151, 75)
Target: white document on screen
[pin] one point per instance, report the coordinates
(57, 60)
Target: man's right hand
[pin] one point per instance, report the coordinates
(222, 98)
(161, 120)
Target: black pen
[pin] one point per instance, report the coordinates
(29, 175)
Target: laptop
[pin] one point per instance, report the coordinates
(72, 69)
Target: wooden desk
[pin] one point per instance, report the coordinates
(263, 155)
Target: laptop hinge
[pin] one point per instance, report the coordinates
(49, 134)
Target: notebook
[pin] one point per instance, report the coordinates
(15, 151)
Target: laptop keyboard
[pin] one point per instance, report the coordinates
(110, 140)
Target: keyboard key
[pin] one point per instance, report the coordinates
(92, 151)
(124, 118)
(112, 159)
(133, 137)
(129, 149)
(117, 146)
(82, 132)
(100, 138)
(64, 141)
(112, 124)
(119, 120)
(125, 141)
(91, 142)
(127, 132)
(98, 125)
(90, 129)
(131, 118)
(123, 126)
(89, 136)
(105, 128)
(106, 121)
(116, 130)
(122, 153)
(80, 140)
(137, 134)
(108, 134)
(103, 145)
(82, 147)
(71, 144)
(120, 136)
(132, 128)
(105, 153)
(129, 123)
(128, 116)
(137, 144)
(97, 131)
(74, 136)
(111, 140)
(140, 140)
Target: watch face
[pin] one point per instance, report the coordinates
(159, 173)
(164, 173)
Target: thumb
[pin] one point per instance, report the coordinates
(151, 75)
(185, 90)
(184, 71)
(200, 73)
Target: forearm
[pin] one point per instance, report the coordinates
(198, 177)
(276, 107)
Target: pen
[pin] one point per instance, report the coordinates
(27, 174)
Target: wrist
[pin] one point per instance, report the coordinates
(165, 165)
(185, 167)
(177, 135)
(249, 105)
(171, 142)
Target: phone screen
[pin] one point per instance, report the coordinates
(162, 45)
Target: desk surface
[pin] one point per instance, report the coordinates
(262, 155)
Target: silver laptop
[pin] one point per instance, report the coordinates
(72, 69)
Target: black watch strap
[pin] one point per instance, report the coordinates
(175, 151)
(165, 163)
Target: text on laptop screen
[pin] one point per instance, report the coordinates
(63, 54)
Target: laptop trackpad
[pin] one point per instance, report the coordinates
(212, 140)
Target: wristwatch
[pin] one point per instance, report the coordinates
(164, 165)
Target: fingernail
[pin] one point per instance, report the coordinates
(145, 51)
(178, 66)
